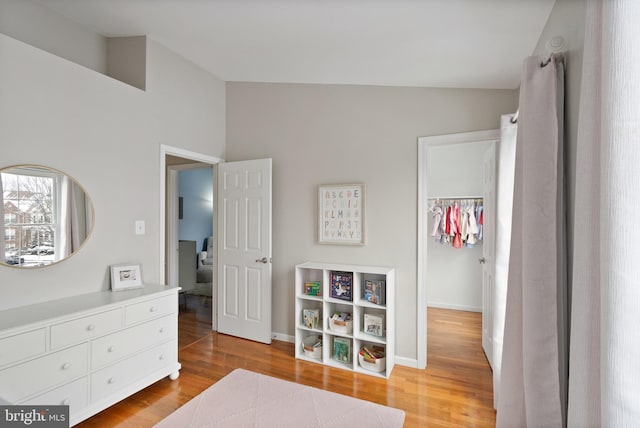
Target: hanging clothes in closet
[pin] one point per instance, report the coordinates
(457, 222)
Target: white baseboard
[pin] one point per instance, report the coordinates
(407, 362)
(453, 306)
(283, 337)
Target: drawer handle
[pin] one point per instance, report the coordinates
(66, 366)
(66, 402)
(91, 327)
(111, 349)
(111, 380)
(152, 309)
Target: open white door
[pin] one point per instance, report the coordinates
(488, 250)
(244, 249)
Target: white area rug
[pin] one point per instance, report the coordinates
(247, 399)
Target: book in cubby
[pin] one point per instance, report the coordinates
(374, 324)
(311, 317)
(342, 349)
(312, 288)
(374, 291)
(341, 284)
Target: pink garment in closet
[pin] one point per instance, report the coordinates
(457, 239)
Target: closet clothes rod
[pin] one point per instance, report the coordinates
(454, 198)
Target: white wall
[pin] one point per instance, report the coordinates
(107, 135)
(454, 276)
(39, 26)
(318, 134)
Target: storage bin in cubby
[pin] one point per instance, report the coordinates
(378, 365)
(308, 347)
(344, 327)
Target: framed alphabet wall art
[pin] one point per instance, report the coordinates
(341, 214)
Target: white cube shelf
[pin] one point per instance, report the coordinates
(355, 333)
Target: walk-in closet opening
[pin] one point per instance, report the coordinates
(456, 227)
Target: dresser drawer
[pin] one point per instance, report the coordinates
(115, 346)
(74, 394)
(82, 329)
(150, 309)
(22, 380)
(21, 346)
(121, 375)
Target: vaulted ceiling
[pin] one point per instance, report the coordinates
(433, 43)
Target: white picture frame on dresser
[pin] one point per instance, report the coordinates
(89, 351)
(124, 277)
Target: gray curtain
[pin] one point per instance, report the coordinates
(604, 381)
(530, 383)
(74, 217)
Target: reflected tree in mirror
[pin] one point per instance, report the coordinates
(47, 216)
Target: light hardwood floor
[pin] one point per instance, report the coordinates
(454, 391)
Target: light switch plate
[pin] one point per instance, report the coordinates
(139, 227)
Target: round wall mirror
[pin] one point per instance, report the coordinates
(47, 215)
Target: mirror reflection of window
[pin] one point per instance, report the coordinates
(30, 205)
(47, 216)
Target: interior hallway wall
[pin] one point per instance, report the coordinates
(195, 187)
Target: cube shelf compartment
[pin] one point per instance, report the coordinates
(351, 336)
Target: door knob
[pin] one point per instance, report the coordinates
(262, 260)
(481, 260)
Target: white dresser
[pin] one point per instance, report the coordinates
(89, 351)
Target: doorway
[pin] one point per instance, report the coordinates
(426, 190)
(241, 282)
(172, 160)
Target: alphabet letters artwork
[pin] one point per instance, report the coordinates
(341, 214)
